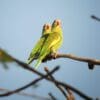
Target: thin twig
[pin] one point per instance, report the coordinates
(70, 95)
(57, 85)
(67, 86)
(52, 96)
(80, 93)
(95, 17)
(27, 94)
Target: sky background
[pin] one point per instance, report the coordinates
(21, 24)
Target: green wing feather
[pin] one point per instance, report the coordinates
(36, 50)
(52, 43)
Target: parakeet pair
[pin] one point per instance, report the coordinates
(49, 42)
(36, 50)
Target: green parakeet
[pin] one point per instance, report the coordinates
(52, 43)
(36, 50)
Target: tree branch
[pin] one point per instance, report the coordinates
(67, 86)
(30, 84)
(27, 67)
(91, 62)
(82, 59)
(57, 85)
(70, 95)
(95, 17)
(27, 94)
(52, 96)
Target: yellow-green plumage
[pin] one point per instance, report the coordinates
(36, 50)
(52, 43)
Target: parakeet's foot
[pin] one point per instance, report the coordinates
(54, 55)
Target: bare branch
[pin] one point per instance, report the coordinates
(70, 95)
(25, 66)
(91, 62)
(95, 17)
(27, 94)
(30, 84)
(52, 96)
(57, 85)
(82, 59)
(67, 86)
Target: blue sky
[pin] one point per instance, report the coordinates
(21, 24)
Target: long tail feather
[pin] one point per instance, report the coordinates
(38, 63)
(29, 61)
(40, 60)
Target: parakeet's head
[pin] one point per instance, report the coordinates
(46, 29)
(56, 25)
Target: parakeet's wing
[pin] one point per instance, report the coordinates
(50, 43)
(49, 46)
(36, 50)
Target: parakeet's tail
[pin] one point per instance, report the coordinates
(29, 61)
(40, 60)
(38, 63)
